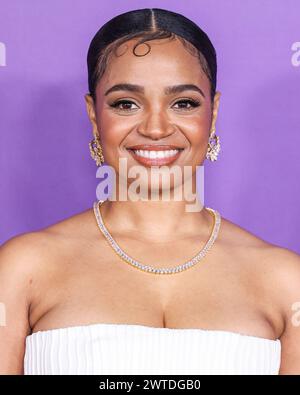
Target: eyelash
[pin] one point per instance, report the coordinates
(194, 104)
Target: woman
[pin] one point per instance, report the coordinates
(74, 307)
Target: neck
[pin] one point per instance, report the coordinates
(157, 220)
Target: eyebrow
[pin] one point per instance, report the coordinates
(169, 90)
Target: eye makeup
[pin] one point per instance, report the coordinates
(193, 103)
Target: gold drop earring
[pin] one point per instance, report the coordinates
(214, 146)
(96, 150)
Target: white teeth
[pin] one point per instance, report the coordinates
(156, 154)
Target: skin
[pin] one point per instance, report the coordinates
(67, 274)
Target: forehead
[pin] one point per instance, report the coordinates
(154, 63)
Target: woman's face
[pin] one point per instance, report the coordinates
(148, 114)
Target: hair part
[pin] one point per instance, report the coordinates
(146, 25)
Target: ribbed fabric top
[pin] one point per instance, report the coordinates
(138, 349)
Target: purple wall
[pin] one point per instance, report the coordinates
(46, 170)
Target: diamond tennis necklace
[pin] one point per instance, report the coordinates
(151, 269)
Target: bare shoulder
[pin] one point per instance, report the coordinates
(21, 253)
(276, 271)
(28, 253)
(278, 268)
(29, 265)
(236, 236)
(276, 274)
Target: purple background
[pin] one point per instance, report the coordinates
(46, 170)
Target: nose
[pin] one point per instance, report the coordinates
(156, 126)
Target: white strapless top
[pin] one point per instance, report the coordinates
(104, 349)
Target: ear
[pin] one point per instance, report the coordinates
(90, 107)
(216, 103)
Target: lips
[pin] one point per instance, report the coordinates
(156, 147)
(155, 155)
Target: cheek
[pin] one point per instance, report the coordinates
(112, 129)
(197, 131)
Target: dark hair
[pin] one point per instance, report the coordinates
(149, 24)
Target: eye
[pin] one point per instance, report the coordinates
(192, 103)
(117, 103)
(127, 103)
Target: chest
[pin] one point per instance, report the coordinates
(93, 289)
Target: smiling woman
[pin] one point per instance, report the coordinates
(183, 292)
(132, 77)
